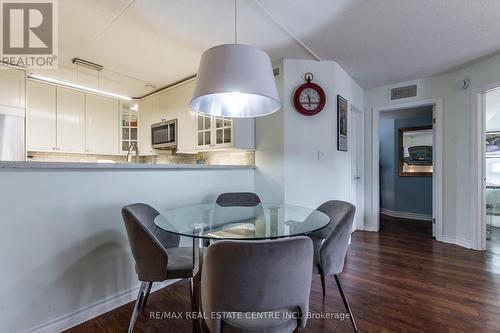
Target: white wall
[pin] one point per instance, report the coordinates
(269, 149)
(63, 242)
(457, 223)
(310, 180)
(296, 139)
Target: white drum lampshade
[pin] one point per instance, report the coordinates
(235, 81)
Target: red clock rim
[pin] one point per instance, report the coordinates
(296, 99)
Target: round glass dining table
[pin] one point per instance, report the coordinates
(215, 222)
(263, 221)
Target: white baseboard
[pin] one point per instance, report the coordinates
(72, 319)
(406, 215)
(457, 241)
(370, 228)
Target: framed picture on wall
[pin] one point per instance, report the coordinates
(341, 123)
(493, 144)
(415, 151)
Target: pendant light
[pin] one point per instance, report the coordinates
(235, 81)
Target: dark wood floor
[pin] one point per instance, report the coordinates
(396, 280)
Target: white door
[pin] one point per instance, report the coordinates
(70, 120)
(101, 124)
(41, 117)
(356, 154)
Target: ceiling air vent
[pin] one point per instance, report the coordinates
(403, 92)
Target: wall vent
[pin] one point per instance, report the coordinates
(403, 92)
(277, 71)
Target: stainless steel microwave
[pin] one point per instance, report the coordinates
(164, 134)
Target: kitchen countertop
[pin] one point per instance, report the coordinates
(115, 166)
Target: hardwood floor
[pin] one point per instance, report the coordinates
(395, 282)
(405, 226)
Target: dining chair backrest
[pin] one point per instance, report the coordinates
(148, 242)
(243, 199)
(336, 235)
(257, 276)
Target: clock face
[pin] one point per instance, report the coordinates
(309, 99)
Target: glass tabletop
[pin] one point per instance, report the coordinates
(263, 221)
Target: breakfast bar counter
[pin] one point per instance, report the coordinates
(116, 166)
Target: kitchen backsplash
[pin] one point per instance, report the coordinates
(225, 157)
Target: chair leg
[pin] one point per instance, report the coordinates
(146, 295)
(322, 276)
(346, 303)
(137, 305)
(192, 294)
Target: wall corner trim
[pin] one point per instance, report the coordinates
(84, 314)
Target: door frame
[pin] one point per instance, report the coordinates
(360, 206)
(478, 165)
(437, 176)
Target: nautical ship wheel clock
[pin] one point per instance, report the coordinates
(309, 98)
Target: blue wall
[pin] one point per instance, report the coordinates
(402, 194)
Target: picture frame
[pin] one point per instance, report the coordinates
(492, 144)
(415, 146)
(341, 123)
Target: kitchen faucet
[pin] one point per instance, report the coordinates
(133, 147)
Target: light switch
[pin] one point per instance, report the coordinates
(321, 155)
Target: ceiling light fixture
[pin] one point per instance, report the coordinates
(77, 86)
(235, 81)
(88, 64)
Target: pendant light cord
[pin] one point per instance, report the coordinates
(235, 22)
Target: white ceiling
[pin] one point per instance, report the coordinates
(377, 41)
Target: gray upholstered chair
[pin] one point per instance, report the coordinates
(331, 243)
(156, 252)
(243, 199)
(257, 277)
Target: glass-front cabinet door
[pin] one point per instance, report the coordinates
(204, 131)
(129, 120)
(223, 129)
(214, 132)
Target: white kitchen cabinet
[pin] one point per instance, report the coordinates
(244, 133)
(41, 117)
(129, 125)
(12, 87)
(70, 120)
(214, 132)
(146, 117)
(101, 125)
(174, 104)
(224, 133)
(195, 132)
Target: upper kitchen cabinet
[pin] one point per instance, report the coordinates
(101, 125)
(146, 119)
(223, 133)
(12, 87)
(174, 104)
(70, 120)
(129, 126)
(41, 117)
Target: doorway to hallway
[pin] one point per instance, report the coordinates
(406, 143)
